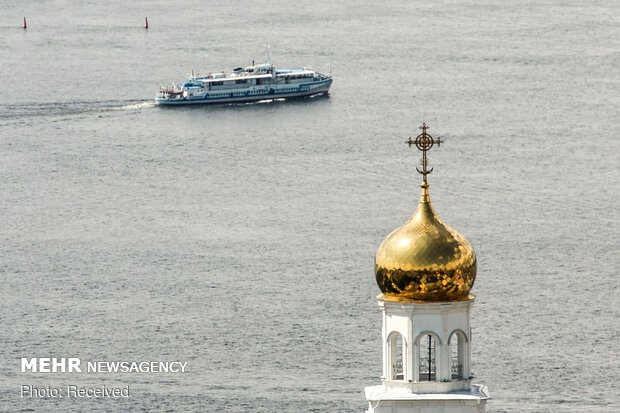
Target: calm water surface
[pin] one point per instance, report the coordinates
(241, 238)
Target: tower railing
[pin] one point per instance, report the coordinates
(457, 371)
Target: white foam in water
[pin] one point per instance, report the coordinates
(136, 106)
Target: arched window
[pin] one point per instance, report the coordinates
(396, 354)
(457, 344)
(428, 365)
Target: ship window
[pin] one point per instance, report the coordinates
(217, 83)
(239, 81)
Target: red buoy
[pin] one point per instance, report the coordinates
(25, 26)
(146, 22)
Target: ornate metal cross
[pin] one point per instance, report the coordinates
(424, 142)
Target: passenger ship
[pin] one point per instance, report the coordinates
(246, 84)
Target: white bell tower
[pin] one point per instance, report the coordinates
(425, 271)
(426, 360)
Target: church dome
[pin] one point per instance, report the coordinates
(425, 260)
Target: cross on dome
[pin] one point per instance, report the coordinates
(424, 142)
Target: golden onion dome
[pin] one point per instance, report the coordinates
(425, 260)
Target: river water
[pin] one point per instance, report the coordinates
(240, 238)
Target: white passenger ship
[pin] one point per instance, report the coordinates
(246, 84)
